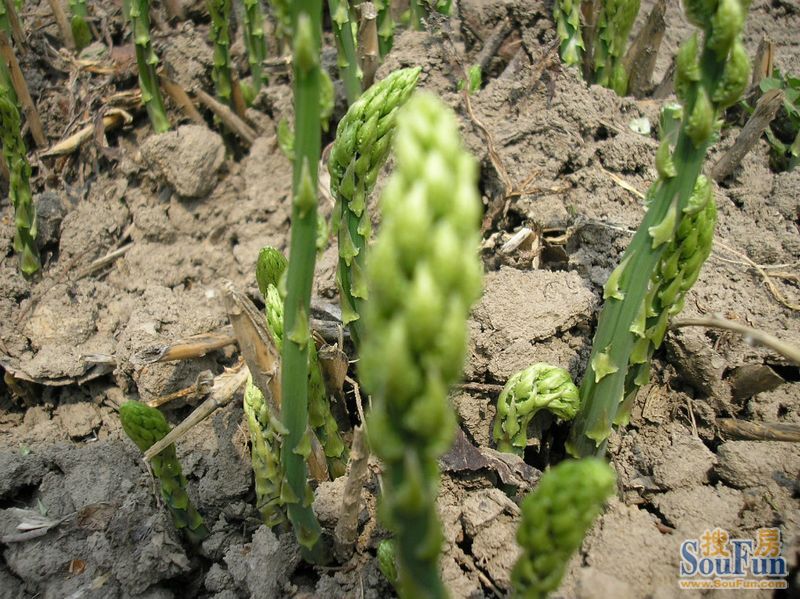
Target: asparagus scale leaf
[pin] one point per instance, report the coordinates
(423, 276)
(145, 426)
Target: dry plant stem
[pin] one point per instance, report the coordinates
(63, 23)
(195, 346)
(750, 334)
(759, 431)
(766, 109)
(228, 117)
(640, 60)
(237, 97)
(492, 44)
(223, 391)
(21, 89)
(763, 62)
(368, 51)
(667, 84)
(101, 262)
(346, 531)
(13, 22)
(181, 99)
(112, 119)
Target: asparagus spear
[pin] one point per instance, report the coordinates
(361, 147)
(254, 40)
(346, 47)
(19, 188)
(147, 60)
(80, 28)
(538, 387)
(423, 276)
(146, 425)
(555, 518)
(281, 10)
(306, 22)
(709, 77)
(220, 33)
(269, 271)
(613, 27)
(567, 14)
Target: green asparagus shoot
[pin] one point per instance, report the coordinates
(665, 254)
(147, 61)
(220, 33)
(423, 275)
(80, 27)
(346, 48)
(281, 11)
(145, 426)
(306, 22)
(613, 27)
(254, 40)
(538, 387)
(19, 187)
(555, 518)
(362, 144)
(567, 14)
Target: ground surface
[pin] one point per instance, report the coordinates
(195, 215)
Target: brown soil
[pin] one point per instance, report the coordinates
(197, 215)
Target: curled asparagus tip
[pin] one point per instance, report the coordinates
(555, 518)
(145, 426)
(386, 561)
(270, 266)
(538, 387)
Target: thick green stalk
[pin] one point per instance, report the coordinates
(80, 28)
(145, 426)
(423, 275)
(346, 48)
(385, 26)
(613, 27)
(306, 19)
(270, 269)
(147, 60)
(708, 79)
(567, 14)
(281, 10)
(220, 33)
(555, 518)
(362, 144)
(254, 40)
(19, 187)
(538, 387)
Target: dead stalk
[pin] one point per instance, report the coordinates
(368, 49)
(346, 531)
(228, 117)
(640, 60)
(63, 23)
(181, 99)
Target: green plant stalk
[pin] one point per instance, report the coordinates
(145, 426)
(270, 269)
(567, 14)
(306, 19)
(346, 48)
(362, 144)
(424, 274)
(281, 9)
(265, 434)
(613, 27)
(254, 40)
(705, 86)
(537, 387)
(220, 34)
(147, 60)
(416, 11)
(80, 28)
(555, 518)
(385, 26)
(19, 187)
